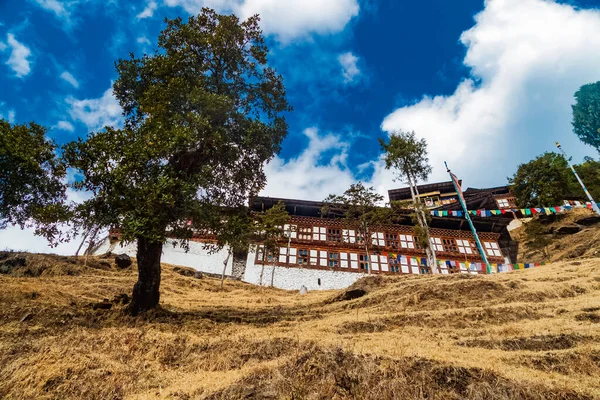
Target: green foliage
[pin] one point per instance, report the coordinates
(421, 232)
(546, 180)
(589, 172)
(32, 192)
(202, 116)
(360, 207)
(586, 114)
(407, 155)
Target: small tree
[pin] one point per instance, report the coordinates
(360, 208)
(543, 181)
(235, 232)
(202, 117)
(270, 228)
(408, 156)
(586, 114)
(32, 192)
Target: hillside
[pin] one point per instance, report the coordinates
(531, 334)
(571, 235)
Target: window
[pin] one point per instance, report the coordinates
(349, 235)
(334, 260)
(319, 281)
(377, 239)
(290, 231)
(492, 249)
(391, 240)
(363, 262)
(319, 233)
(269, 258)
(318, 258)
(305, 233)
(503, 203)
(286, 257)
(334, 235)
(303, 257)
(394, 264)
(436, 244)
(464, 246)
(379, 262)
(406, 242)
(450, 245)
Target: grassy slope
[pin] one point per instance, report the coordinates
(584, 244)
(528, 334)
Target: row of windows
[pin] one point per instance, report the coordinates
(390, 240)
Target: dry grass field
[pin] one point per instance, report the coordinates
(532, 334)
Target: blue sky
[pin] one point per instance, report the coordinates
(488, 84)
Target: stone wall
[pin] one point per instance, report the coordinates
(293, 278)
(197, 257)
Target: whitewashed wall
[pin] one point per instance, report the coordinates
(197, 257)
(294, 278)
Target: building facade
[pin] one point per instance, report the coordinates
(328, 253)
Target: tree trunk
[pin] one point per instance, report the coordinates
(368, 260)
(262, 268)
(82, 243)
(146, 290)
(429, 252)
(225, 267)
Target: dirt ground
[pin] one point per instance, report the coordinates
(532, 334)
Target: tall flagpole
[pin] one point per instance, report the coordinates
(464, 207)
(594, 204)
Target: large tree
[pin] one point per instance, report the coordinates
(544, 181)
(407, 155)
(32, 192)
(586, 114)
(360, 206)
(202, 116)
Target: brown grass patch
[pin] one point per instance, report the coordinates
(338, 374)
(532, 343)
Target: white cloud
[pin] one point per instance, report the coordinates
(527, 59)
(10, 116)
(287, 19)
(65, 126)
(143, 40)
(350, 70)
(70, 78)
(96, 113)
(55, 6)
(148, 11)
(18, 57)
(316, 172)
(15, 238)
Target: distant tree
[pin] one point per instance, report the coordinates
(270, 231)
(589, 172)
(543, 181)
(32, 192)
(202, 116)
(235, 231)
(586, 114)
(361, 209)
(407, 155)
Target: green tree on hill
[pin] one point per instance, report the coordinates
(202, 116)
(544, 181)
(32, 192)
(586, 114)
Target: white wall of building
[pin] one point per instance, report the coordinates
(197, 257)
(293, 278)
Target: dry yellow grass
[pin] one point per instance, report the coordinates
(530, 334)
